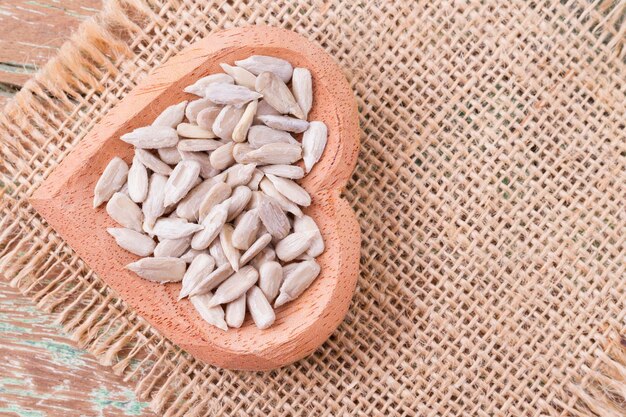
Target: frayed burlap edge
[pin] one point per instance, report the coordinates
(43, 267)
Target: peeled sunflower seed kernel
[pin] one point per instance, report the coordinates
(307, 224)
(302, 86)
(212, 315)
(200, 267)
(276, 154)
(257, 176)
(171, 116)
(264, 109)
(206, 169)
(152, 206)
(198, 145)
(170, 156)
(132, 241)
(241, 128)
(296, 281)
(181, 181)
(314, 143)
(260, 135)
(287, 205)
(230, 94)
(239, 174)
(230, 251)
(213, 223)
(151, 137)
(236, 312)
(240, 153)
(194, 108)
(265, 255)
(206, 117)
(291, 190)
(274, 219)
(246, 230)
(218, 193)
(255, 249)
(211, 281)
(293, 172)
(198, 88)
(270, 278)
(125, 212)
(217, 253)
(277, 94)
(238, 201)
(226, 121)
(168, 228)
(172, 247)
(189, 207)
(112, 179)
(257, 64)
(293, 246)
(286, 123)
(152, 162)
(260, 309)
(240, 75)
(159, 269)
(222, 157)
(235, 286)
(188, 130)
(191, 254)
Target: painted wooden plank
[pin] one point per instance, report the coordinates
(44, 374)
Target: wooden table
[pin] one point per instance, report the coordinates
(42, 372)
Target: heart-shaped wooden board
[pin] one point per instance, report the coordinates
(65, 201)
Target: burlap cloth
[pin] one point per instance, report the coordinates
(490, 191)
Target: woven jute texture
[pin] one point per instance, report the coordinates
(490, 191)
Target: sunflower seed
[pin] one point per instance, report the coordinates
(171, 116)
(257, 64)
(238, 201)
(246, 230)
(211, 281)
(172, 247)
(313, 144)
(217, 253)
(231, 252)
(200, 267)
(276, 154)
(181, 181)
(239, 174)
(125, 212)
(303, 89)
(265, 255)
(188, 208)
(293, 172)
(212, 315)
(291, 190)
(297, 281)
(222, 157)
(264, 109)
(260, 135)
(270, 278)
(230, 94)
(194, 108)
(168, 228)
(240, 75)
(289, 268)
(124, 189)
(216, 194)
(260, 309)
(277, 94)
(287, 205)
(226, 121)
(293, 245)
(213, 223)
(198, 145)
(307, 224)
(112, 179)
(286, 123)
(206, 117)
(132, 241)
(206, 169)
(255, 250)
(187, 130)
(235, 286)
(240, 153)
(159, 269)
(151, 137)
(152, 162)
(274, 219)
(257, 176)
(169, 155)
(236, 312)
(191, 254)
(199, 87)
(241, 128)
(153, 204)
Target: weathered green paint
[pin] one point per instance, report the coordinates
(60, 352)
(103, 399)
(16, 409)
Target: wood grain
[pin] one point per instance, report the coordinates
(44, 374)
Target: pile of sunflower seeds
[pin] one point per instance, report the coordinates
(211, 197)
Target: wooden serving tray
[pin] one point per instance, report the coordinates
(65, 201)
